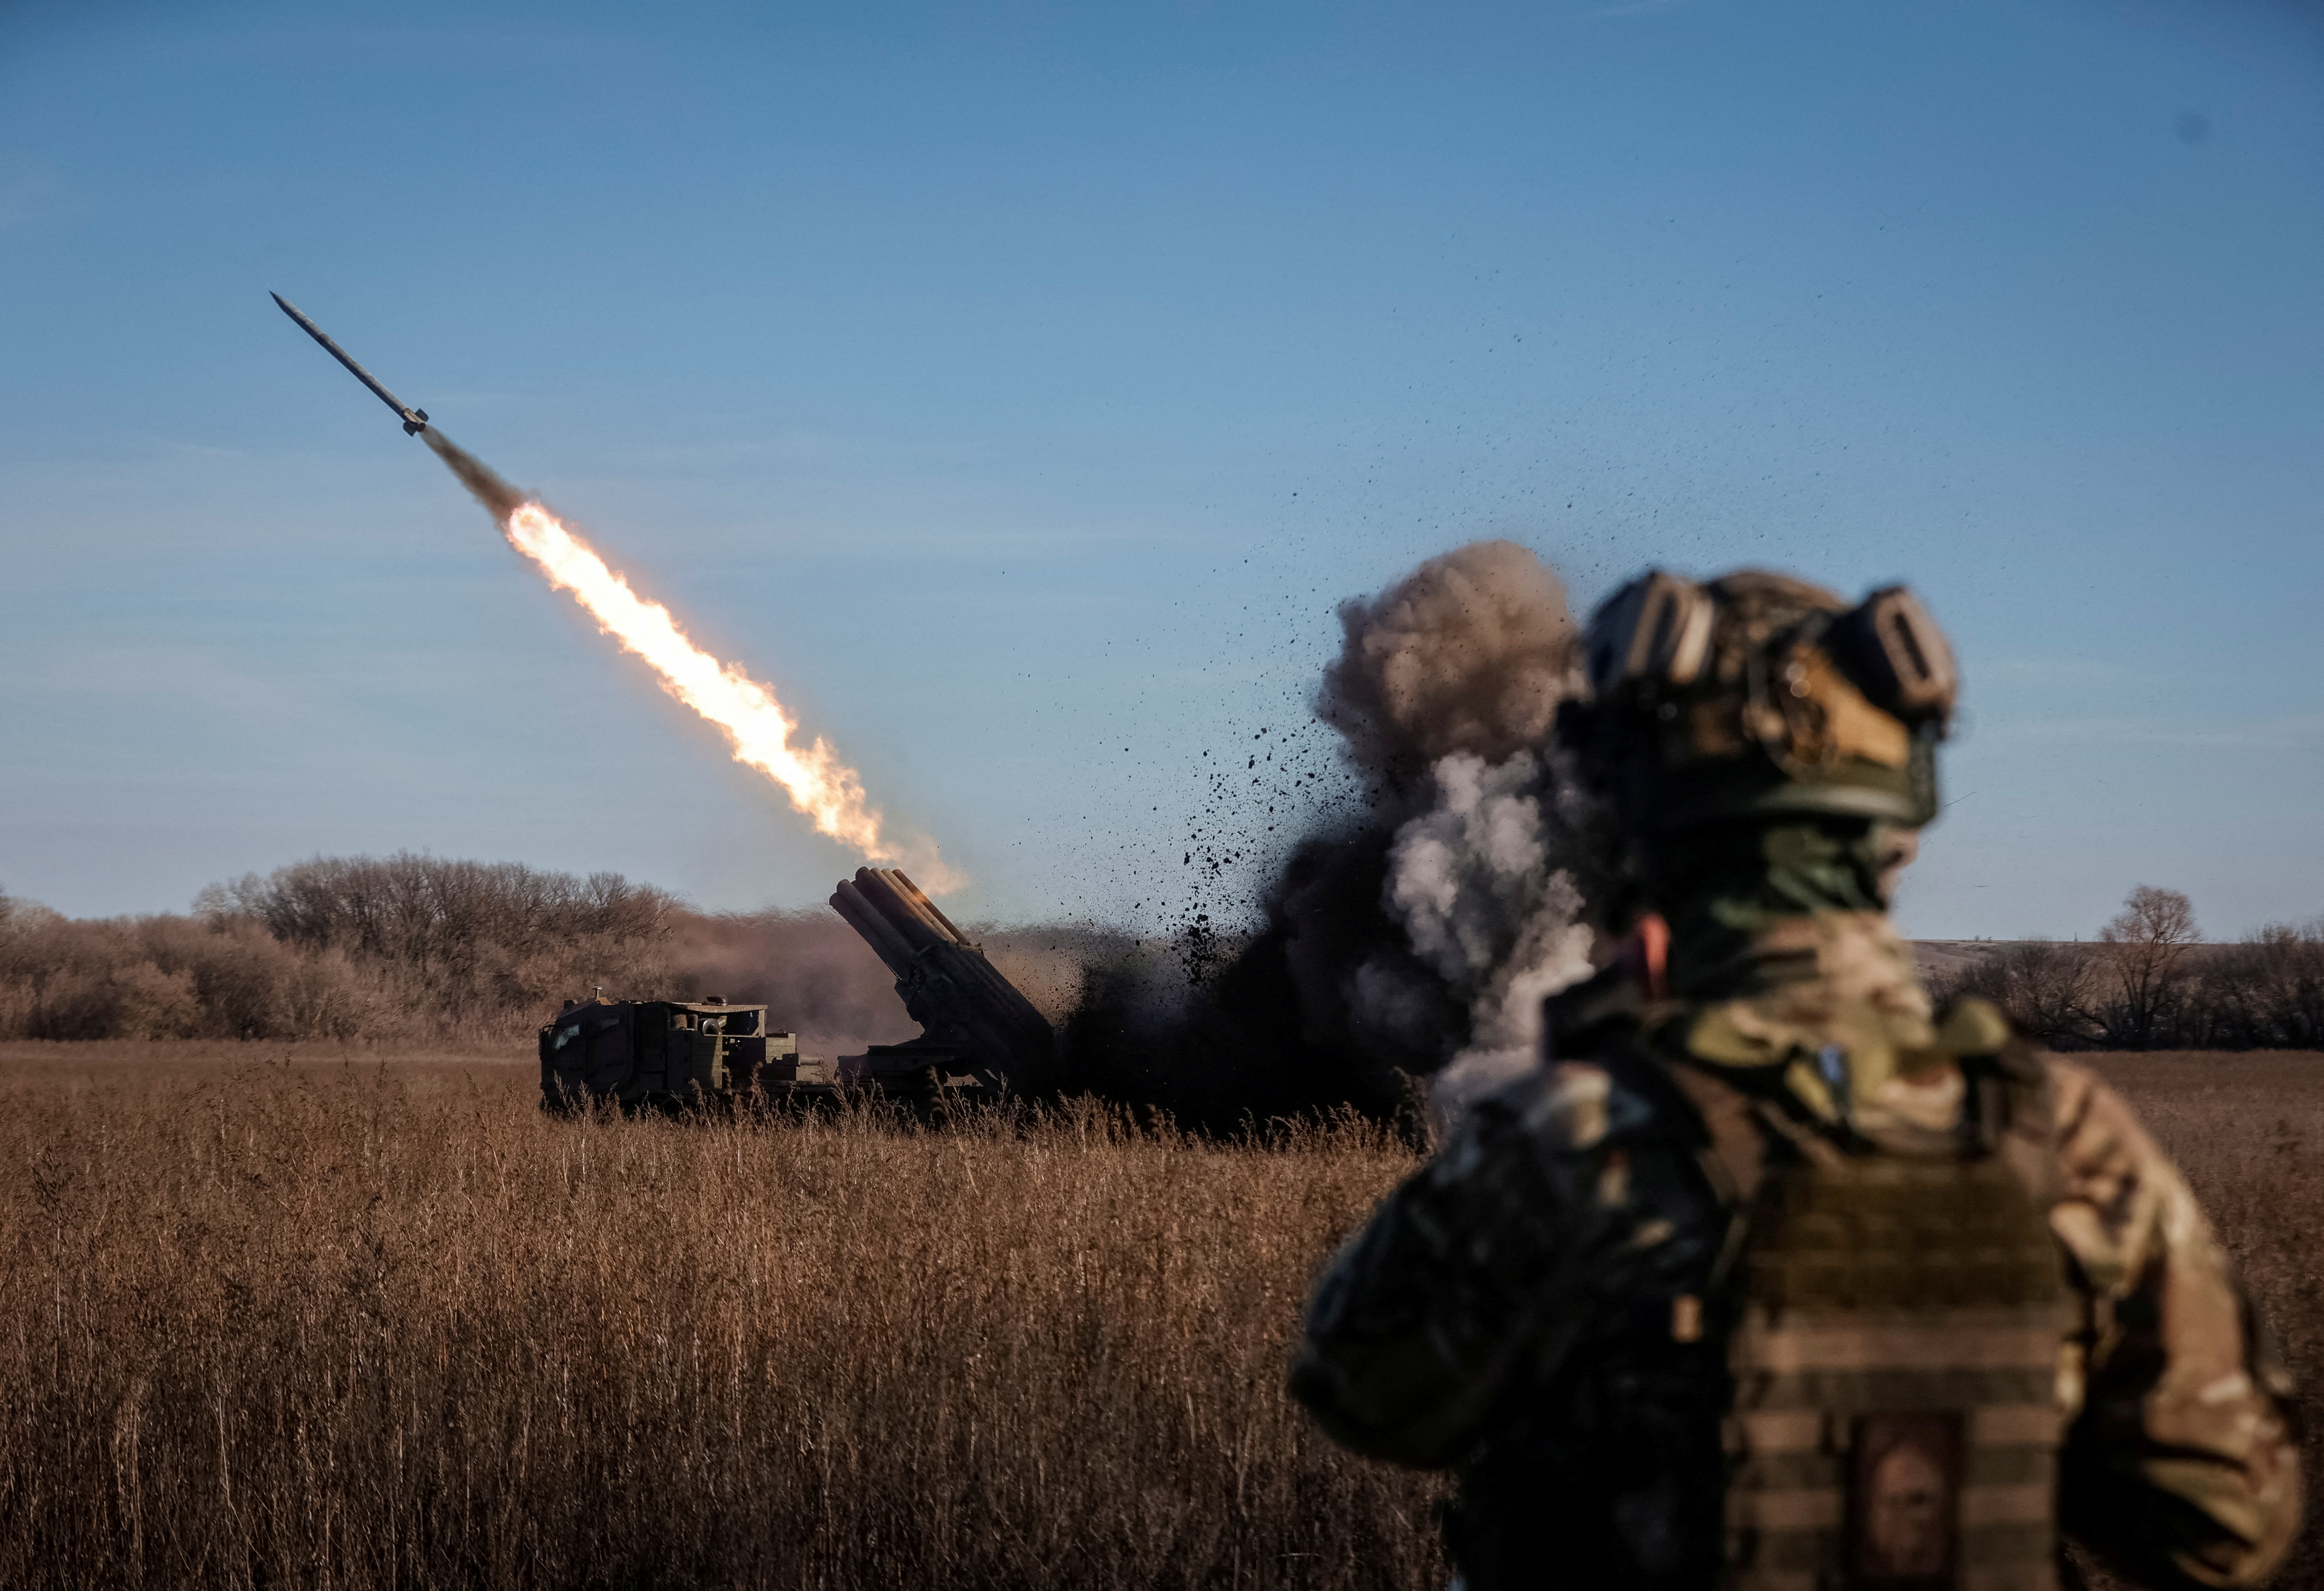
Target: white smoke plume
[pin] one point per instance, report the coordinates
(1476, 884)
(1446, 687)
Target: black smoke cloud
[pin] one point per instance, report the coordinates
(1417, 938)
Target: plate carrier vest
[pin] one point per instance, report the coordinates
(1899, 1324)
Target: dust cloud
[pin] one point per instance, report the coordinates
(1468, 653)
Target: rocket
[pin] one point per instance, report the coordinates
(415, 420)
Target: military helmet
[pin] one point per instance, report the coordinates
(1758, 694)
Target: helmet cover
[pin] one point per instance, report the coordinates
(1759, 694)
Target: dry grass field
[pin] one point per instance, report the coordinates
(283, 1317)
(290, 1322)
(2248, 1130)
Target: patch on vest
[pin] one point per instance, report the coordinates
(1904, 1497)
(1895, 1355)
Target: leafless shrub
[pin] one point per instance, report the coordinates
(2047, 989)
(2145, 949)
(480, 935)
(402, 948)
(2149, 982)
(159, 977)
(413, 947)
(2266, 992)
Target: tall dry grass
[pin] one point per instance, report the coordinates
(2248, 1130)
(288, 1323)
(299, 1320)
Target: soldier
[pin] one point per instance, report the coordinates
(1771, 1277)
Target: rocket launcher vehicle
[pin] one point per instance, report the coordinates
(979, 1031)
(979, 1037)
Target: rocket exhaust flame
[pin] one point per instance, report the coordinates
(756, 724)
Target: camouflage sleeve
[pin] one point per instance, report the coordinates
(1462, 1278)
(2180, 1464)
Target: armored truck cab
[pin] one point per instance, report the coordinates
(660, 1052)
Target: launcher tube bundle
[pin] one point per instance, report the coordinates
(974, 1022)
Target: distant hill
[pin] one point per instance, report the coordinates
(1946, 959)
(1941, 960)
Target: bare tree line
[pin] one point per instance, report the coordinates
(2149, 982)
(436, 916)
(417, 948)
(412, 947)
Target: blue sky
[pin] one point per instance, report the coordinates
(1018, 389)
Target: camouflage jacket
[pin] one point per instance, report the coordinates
(1539, 1307)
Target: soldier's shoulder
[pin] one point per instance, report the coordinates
(1970, 1027)
(1585, 1102)
(2116, 1196)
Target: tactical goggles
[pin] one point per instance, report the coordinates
(1654, 635)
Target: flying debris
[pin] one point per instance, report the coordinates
(415, 420)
